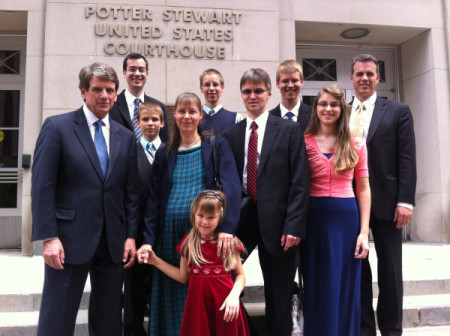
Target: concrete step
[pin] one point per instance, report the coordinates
(422, 315)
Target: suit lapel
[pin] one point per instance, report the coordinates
(206, 153)
(240, 146)
(378, 113)
(269, 138)
(123, 108)
(83, 134)
(114, 145)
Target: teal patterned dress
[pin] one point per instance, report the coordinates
(168, 297)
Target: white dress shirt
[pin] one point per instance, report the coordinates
(92, 119)
(216, 109)
(295, 110)
(261, 121)
(130, 102)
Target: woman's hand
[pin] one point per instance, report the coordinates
(362, 246)
(231, 306)
(224, 244)
(144, 254)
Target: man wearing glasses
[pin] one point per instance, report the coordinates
(138, 277)
(272, 163)
(135, 71)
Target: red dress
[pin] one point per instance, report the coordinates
(209, 285)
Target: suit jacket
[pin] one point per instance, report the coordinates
(304, 114)
(391, 157)
(161, 185)
(121, 114)
(72, 200)
(282, 179)
(145, 172)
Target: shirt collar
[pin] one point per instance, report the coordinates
(284, 110)
(261, 120)
(145, 142)
(130, 98)
(91, 118)
(216, 109)
(369, 102)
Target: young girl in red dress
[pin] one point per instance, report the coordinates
(212, 306)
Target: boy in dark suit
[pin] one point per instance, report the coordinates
(215, 117)
(137, 279)
(272, 163)
(290, 81)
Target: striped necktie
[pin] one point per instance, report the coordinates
(137, 130)
(357, 126)
(252, 162)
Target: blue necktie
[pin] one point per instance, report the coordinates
(100, 146)
(290, 115)
(151, 149)
(137, 130)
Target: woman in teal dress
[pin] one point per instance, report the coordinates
(180, 171)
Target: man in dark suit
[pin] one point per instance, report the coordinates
(290, 81)
(135, 71)
(272, 163)
(388, 129)
(137, 279)
(215, 117)
(84, 206)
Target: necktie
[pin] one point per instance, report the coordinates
(100, 146)
(290, 115)
(151, 149)
(252, 162)
(358, 122)
(137, 130)
(211, 113)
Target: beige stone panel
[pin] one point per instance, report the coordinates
(254, 5)
(33, 105)
(425, 52)
(158, 79)
(408, 13)
(30, 5)
(419, 94)
(35, 33)
(61, 79)
(67, 31)
(113, 2)
(257, 37)
(27, 245)
(287, 40)
(416, 55)
(428, 221)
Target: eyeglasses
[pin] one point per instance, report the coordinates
(134, 70)
(257, 92)
(325, 105)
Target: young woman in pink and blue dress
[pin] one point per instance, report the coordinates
(338, 219)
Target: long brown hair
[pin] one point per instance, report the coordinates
(209, 201)
(346, 156)
(188, 99)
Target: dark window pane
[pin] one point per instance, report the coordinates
(382, 71)
(9, 143)
(319, 69)
(8, 195)
(308, 100)
(9, 62)
(9, 108)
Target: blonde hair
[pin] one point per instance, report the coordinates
(346, 156)
(209, 201)
(289, 66)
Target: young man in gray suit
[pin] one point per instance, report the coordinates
(84, 205)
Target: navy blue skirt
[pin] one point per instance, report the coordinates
(332, 276)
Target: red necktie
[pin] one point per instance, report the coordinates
(252, 163)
